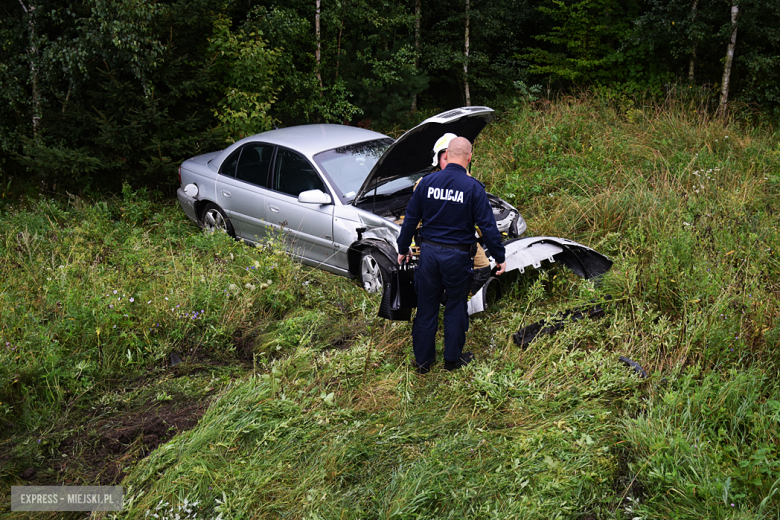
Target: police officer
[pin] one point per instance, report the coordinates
(481, 263)
(449, 203)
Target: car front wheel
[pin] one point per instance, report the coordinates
(372, 273)
(214, 219)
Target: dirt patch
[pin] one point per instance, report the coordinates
(102, 452)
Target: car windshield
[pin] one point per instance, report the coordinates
(348, 166)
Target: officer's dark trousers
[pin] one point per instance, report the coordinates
(441, 268)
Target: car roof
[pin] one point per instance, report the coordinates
(307, 139)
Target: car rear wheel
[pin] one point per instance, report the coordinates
(214, 219)
(372, 273)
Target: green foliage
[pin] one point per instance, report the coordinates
(585, 40)
(300, 98)
(120, 86)
(113, 287)
(247, 69)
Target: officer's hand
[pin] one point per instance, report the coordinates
(402, 257)
(501, 268)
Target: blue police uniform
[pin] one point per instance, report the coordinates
(449, 203)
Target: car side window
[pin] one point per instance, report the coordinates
(294, 174)
(254, 164)
(229, 165)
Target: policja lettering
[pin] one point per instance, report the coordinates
(450, 195)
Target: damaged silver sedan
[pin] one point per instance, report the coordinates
(338, 194)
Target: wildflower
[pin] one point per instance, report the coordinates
(114, 291)
(110, 306)
(166, 298)
(132, 300)
(150, 301)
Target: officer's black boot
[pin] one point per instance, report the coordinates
(465, 359)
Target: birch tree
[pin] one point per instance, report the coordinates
(33, 53)
(724, 90)
(466, 59)
(417, 20)
(317, 53)
(692, 61)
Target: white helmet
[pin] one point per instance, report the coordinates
(441, 144)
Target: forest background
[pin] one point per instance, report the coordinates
(95, 92)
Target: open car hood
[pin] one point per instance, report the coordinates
(411, 153)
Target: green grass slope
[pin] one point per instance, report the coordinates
(310, 408)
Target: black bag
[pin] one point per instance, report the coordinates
(398, 295)
(404, 295)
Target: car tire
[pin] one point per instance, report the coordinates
(214, 219)
(372, 273)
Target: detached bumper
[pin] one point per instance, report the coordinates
(187, 203)
(522, 253)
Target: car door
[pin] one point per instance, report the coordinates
(308, 228)
(242, 187)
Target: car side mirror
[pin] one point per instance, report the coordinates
(314, 197)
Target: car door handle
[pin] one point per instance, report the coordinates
(273, 208)
(226, 193)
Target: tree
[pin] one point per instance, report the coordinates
(724, 90)
(585, 42)
(122, 84)
(246, 69)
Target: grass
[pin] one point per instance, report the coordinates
(310, 406)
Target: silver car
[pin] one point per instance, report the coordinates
(338, 195)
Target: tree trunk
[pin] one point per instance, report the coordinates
(466, 60)
(417, 16)
(338, 47)
(33, 52)
(724, 90)
(317, 52)
(692, 62)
